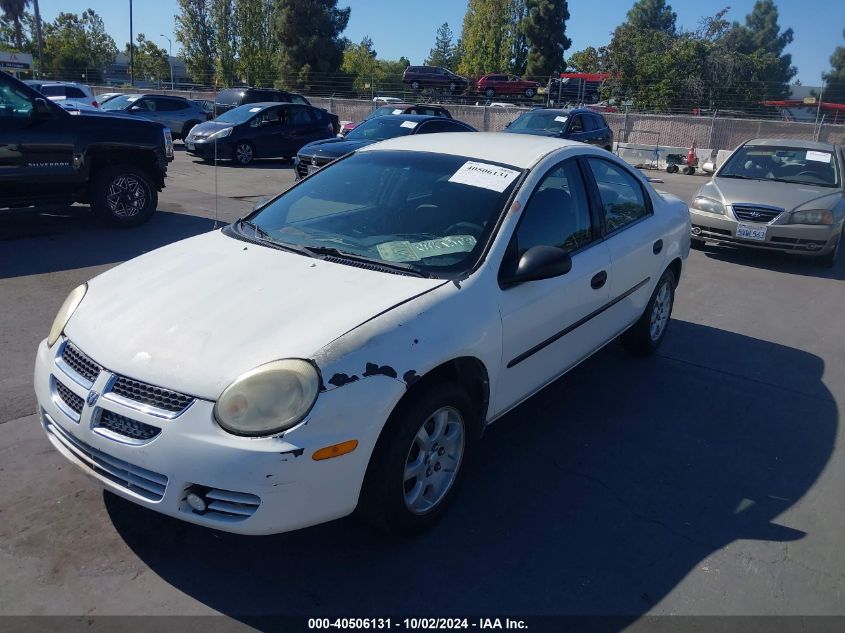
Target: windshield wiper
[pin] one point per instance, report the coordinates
(738, 177)
(259, 232)
(355, 257)
(265, 238)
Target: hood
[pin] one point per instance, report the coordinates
(534, 132)
(196, 314)
(207, 128)
(332, 147)
(775, 194)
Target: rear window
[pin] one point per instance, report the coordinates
(230, 97)
(75, 93)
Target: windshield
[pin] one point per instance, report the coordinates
(381, 128)
(241, 114)
(383, 110)
(429, 212)
(541, 120)
(120, 103)
(783, 164)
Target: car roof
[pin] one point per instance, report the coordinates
(792, 142)
(519, 150)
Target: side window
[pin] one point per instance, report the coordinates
(299, 116)
(622, 197)
(558, 213)
(299, 99)
(431, 127)
(577, 124)
(145, 104)
(589, 122)
(600, 122)
(168, 105)
(13, 104)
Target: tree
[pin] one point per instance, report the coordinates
(151, 61)
(442, 53)
(488, 35)
(359, 62)
(308, 34)
(225, 42)
(13, 11)
(589, 60)
(195, 32)
(78, 47)
(835, 79)
(652, 15)
(255, 44)
(545, 30)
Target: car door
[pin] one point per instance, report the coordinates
(550, 325)
(269, 132)
(302, 128)
(144, 107)
(36, 150)
(172, 113)
(633, 235)
(576, 131)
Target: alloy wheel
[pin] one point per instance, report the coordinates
(660, 311)
(126, 197)
(243, 153)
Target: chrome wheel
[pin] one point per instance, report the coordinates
(127, 196)
(660, 311)
(433, 460)
(244, 154)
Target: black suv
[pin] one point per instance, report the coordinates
(579, 124)
(420, 77)
(115, 163)
(233, 97)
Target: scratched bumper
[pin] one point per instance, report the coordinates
(284, 487)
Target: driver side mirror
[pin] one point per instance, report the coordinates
(41, 109)
(135, 108)
(539, 262)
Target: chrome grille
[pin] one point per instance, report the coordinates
(79, 362)
(126, 427)
(151, 395)
(73, 401)
(140, 481)
(755, 213)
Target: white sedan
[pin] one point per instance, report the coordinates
(345, 345)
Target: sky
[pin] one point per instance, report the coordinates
(409, 28)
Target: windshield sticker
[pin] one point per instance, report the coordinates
(397, 111)
(561, 119)
(255, 109)
(132, 99)
(405, 251)
(484, 176)
(409, 124)
(819, 157)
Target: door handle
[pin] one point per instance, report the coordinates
(598, 280)
(658, 246)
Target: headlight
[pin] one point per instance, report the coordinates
(812, 217)
(168, 143)
(65, 312)
(268, 399)
(702, 203)
(226, 131)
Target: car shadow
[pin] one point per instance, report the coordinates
(597, 496)
(36, 242)
(776, 261)
(258, 163)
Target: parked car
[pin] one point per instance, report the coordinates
(775, 194)
(177, 113)
(234, 97)
(259, 130)
(68, 91)
(75, 108)
(346, 344)
(115, 163)
(579, 124)
(421, 77)
(428, 109)
(320, 153)
(498, 85)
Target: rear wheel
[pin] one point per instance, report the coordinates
(489, 93)
(529, 93)
(646, 335)
(243, 154)
(415, 85)
(419, 460)
(123, 195)
(452, 86)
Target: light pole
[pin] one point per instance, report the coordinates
(169, 58)
(131, 49)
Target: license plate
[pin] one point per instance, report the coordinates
(751, 232)
(312, 169)
(190, 146)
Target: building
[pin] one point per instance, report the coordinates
(16, 63)
(117, 74)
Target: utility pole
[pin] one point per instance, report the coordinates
(170, 58)
(131, 48)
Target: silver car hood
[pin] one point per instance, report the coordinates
(774, 194)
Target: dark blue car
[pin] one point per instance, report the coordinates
(259, 130)
(320, 153)
(578, 124)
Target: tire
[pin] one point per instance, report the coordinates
(452, 86)
(490, 93)
(388, 499)
(123, 196)
(529, 93)
(644, 337)
(415, 85)
(243, 153)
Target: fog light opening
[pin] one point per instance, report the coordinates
(197, 503)
(696, 230)
(812, 246)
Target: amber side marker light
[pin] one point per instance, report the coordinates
(335, 450)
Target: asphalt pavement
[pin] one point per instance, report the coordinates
(704, 480)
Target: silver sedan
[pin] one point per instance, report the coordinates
(775, 194)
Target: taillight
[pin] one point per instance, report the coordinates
(95, 104)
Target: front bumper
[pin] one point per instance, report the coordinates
(802, 239)
(205, 149)
(253, 485)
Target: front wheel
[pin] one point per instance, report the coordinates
(646, 335)
(415, 85)
(243, 154)
(490, 93)
(419, 460)
(123, 195)
(529, 93)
